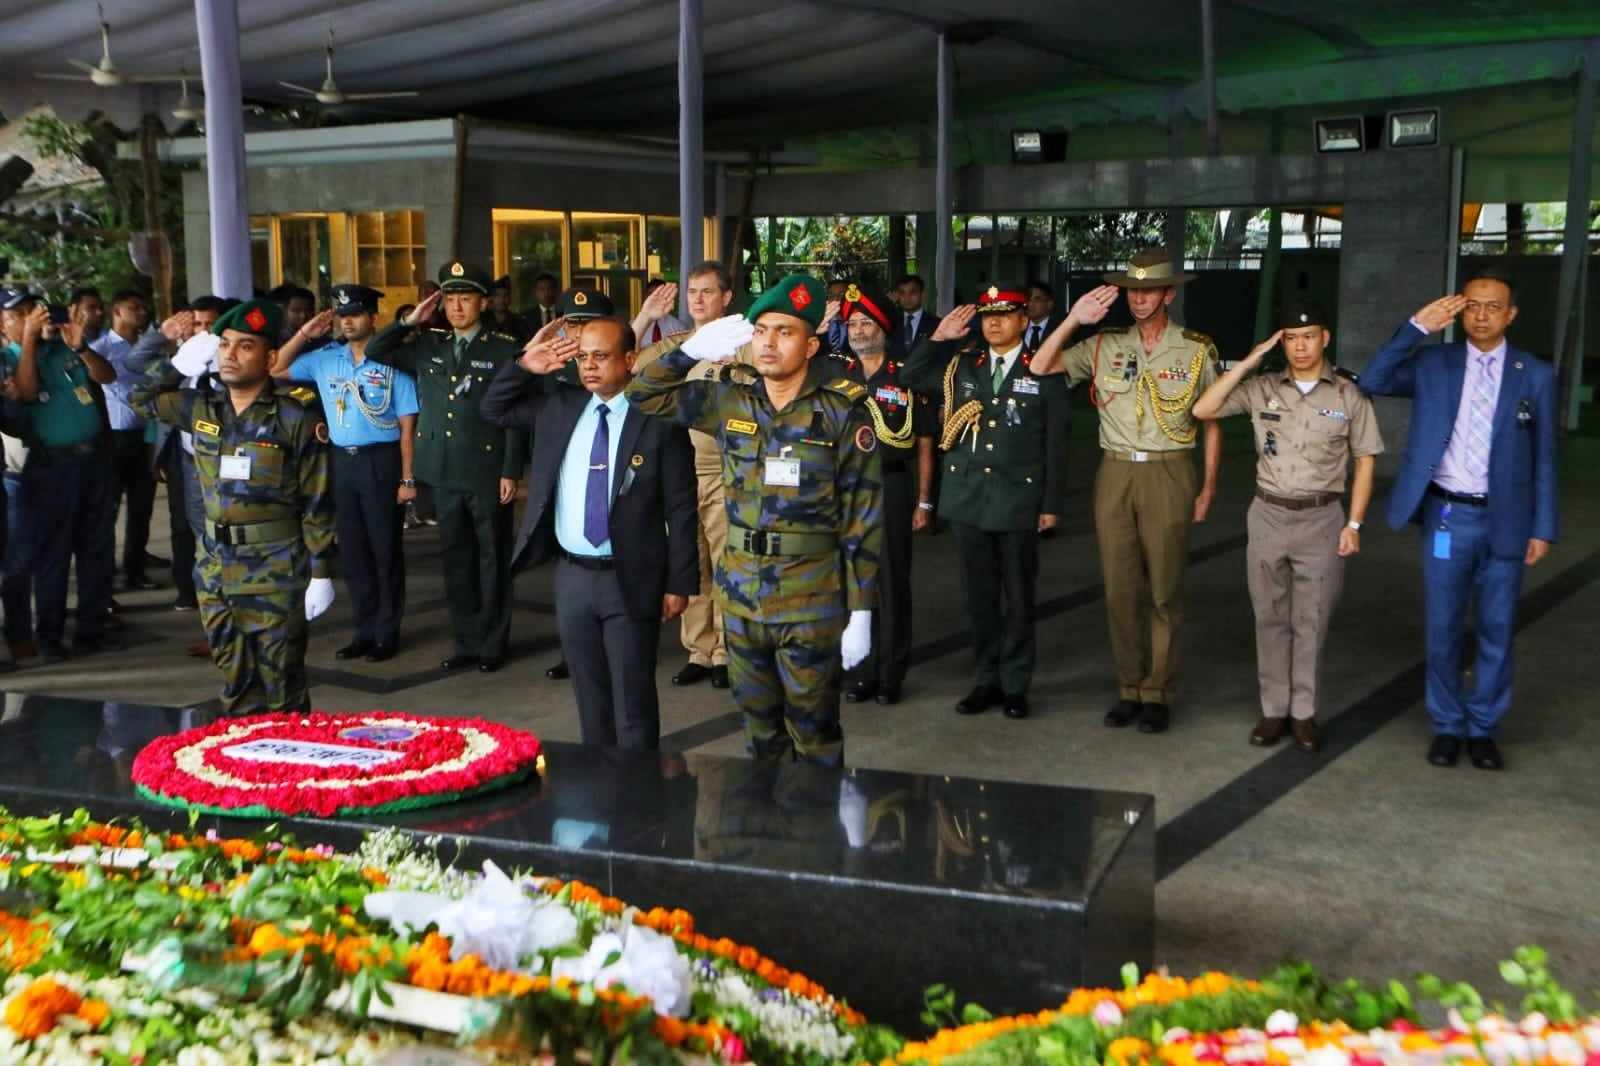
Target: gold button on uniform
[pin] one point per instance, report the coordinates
(986, 470)
(992, 423)
(448, 433)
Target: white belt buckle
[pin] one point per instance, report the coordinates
(1139, 457)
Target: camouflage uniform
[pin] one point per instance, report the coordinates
(784, 597)
(264, 536)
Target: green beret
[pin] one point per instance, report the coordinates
(263, 318)
(799, 295)
(457, 276)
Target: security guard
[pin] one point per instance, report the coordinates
(1309, 420)
(1005, 480)
(802, 477)
(1144, 381)
(472, 466)
(905, 423)
(66, 481)
(372, 413)
(264, 572)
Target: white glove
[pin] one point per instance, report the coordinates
(198, 355)
(718, 341)
(319, 596)
(857, 639)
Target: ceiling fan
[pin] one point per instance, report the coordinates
(105, 73)
(187, 110)
(330, 95)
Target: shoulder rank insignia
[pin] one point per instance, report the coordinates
(853, 391)
(503, 336)
(1348, 375)
(739, 425)
(210, 429)
(1196, 336)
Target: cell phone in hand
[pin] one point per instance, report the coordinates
(59, 315)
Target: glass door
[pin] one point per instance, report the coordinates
(526, 245)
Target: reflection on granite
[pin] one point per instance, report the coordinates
(874, 883)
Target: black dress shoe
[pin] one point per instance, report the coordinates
(1485, 754)
(381, 652)
(459, 662)
(489, 665)
(155, 562)
(1445, 750)
(102, 642)
(691, 674)
(558, 672)
(1016, 707)
(1124, 713)
(354, 650)
(1154, 718)
(52, 652)
(861, 692)
(719, 677)
(888, 695)
(185, 605)
(980, 699)
(140, 583)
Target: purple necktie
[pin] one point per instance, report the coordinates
(597, 496)
(1480, 427)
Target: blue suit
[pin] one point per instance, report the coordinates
(1467, 548)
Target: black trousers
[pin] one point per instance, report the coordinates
(370, 524)
(68, 498)
(183, 544)
(133, 478)
(475, 531)
(612, 658)
(998, 573)
(891, 622)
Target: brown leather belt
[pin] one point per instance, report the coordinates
(1299, 503)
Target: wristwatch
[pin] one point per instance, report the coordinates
(923, 505)
(408, 483)
(1353, 524)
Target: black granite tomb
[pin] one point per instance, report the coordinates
(875, 884)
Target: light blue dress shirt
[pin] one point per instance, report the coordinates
(573, 485)
(362, 402)
(113, 349)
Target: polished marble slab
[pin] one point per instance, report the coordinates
(875, 884)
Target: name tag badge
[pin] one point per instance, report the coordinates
(739, 425)
(235, 468)
(1441, 544)
(210, 429)
(783, 473)
(482, 364)
(1271, 416)
(1026, 386)
(83, 396)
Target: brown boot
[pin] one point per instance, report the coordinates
(1267, 732)
(1305, 734)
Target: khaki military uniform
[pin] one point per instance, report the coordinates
(269, 525)
(804, 499)
(1145, 490)
(1304, 444)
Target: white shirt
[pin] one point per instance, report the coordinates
(1006, 359)
(1454, 473)
(572, 488)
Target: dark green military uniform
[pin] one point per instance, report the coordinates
(804, 499)
(1004, 465)
(269, 523)
(463, 458)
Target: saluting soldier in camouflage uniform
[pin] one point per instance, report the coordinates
(264, 572)
(802, 474)
(473, 466)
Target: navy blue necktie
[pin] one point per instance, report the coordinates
(597, 496)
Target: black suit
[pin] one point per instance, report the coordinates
(609, 611)
(902, 341)
(1048, 328)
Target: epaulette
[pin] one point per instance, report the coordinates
(1198, 337)
(731, 372)
(304, 395)
(1348, 375)
(853, 391)
(682, 334)
(505, 337)
(438, 330)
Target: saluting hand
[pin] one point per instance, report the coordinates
(321, 325)
(425, 309)
(179, 327)
(1259, 352)
(33, 327)
(548, 350)
(660, 302)
(953, 327)
(830, 311)
(1093, 305)
(1439, 314)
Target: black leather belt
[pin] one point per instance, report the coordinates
(64, 451)
(590, 562)
(357, 449)
(1463, 498)
(1299, 503)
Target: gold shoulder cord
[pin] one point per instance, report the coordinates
(894, 438)
(1161, 406)
(956, 422)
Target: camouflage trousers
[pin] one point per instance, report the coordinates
(256, 625)
(785, 678)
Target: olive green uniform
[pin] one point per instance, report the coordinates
(463, 458)
(263, 476)
(1304, 444)
(1145, 490)
(804, 498)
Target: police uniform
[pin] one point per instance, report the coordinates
(364, 402)
(263, 475)
(804, 504)
(1005, 464)
(1304, 443)
(899, 418)
(463, 458)
(1145, 490)
(66, 496)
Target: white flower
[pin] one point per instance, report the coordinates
(642, 960)
(1327, 1055)
(1107, 1014)
(201, 1055)
(1534, 1024)
(1175, 1034)
(1283, 1023)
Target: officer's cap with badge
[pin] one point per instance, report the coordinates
(11, 299)
(1301, 311)
(259, 318)
(355, 300)
(456, 276)
(798, 295)
(581, 304)
(1150, 269)
(875, 309)
(1002, 300)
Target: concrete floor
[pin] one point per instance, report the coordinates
(1363, 860)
